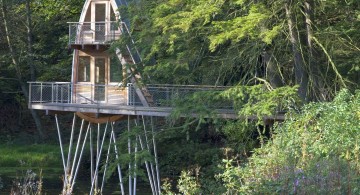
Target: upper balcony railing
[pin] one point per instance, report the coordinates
(93, 32)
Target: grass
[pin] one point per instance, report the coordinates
(16, 159)
(34, 156)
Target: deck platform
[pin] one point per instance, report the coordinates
(68, 97)
(122, 109)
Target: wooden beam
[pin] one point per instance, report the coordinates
(100, 118)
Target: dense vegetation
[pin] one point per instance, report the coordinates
(298, 56)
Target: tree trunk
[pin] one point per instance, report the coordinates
(18, 70)
(309, 15)
(273, 74)
(30, 54)
(318, 91)
(301, 77)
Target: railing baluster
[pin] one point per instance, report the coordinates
(41, 92)
(69, 97)
(61, 94)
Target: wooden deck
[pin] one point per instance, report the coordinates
(121, 109)
(141, 110)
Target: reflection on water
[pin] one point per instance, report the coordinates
(52, 184)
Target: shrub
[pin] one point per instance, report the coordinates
(29, 184)
(315, 151)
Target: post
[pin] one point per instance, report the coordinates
(30, 94)
(92, 93)
(62, 93)
(70, 34)
(91, 155)
(129, 150)
(128, 94)
(52, 92)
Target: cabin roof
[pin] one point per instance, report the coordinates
(116, 3)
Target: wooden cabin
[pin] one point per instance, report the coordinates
(97, 76)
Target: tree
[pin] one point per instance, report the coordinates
(16, 63)
(35, 35)
(227, 42)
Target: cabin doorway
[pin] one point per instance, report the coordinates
(92, 78)
(99, 78)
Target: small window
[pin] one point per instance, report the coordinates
(116, 73)
(84, 69)
(88, 15)
(100, 14)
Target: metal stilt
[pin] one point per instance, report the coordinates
(91, 154)
(97, 153)
(118, 165)
(80, 157)
(76, 152)
(106, 164)
(72, 163)
(155, 154)
(98, 162)
(71, 143)
(148, 169)
(155, 181)
(129, 151)
(135, 166)
(64, 192)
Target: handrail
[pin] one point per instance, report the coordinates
(104, 22)
(47, 82)
(80, 93)
(188, 86)
(93, 32)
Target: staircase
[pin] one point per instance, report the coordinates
(132, 56)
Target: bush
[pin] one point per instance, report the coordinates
(29, 184)
(312, 152)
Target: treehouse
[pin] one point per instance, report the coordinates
(105, 90)
(104, 83)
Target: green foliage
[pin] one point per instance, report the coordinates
(232, 42)
(315, 151)
(1, 184)
(166, 187)
(250, 25)
(241, 136)
(187, 184)
(259, 100)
